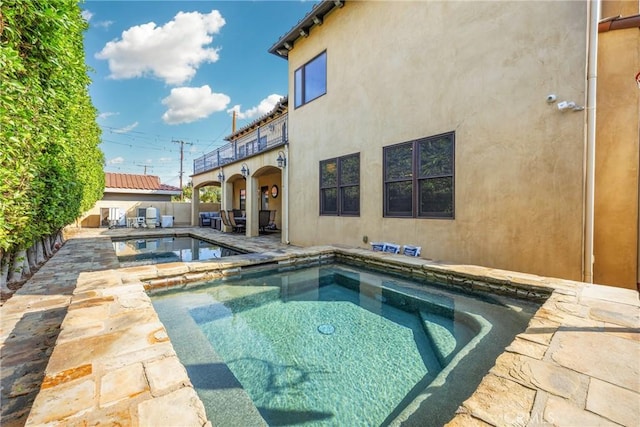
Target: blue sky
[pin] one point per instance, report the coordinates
(165, 71)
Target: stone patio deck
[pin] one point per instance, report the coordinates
(578, 363)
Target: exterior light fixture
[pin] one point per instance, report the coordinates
(317, 20)
(245, 170)
(220, 176)
(281, 160)
(288, 45)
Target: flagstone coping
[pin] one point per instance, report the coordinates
(576, 364)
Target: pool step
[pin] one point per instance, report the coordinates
(446, 335)
(448, 330)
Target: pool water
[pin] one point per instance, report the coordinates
(159, 250)
(331, 345)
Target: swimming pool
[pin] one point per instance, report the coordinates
(335, 345)
(159, 250)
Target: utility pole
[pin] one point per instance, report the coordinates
(145, 167)
(181, 161)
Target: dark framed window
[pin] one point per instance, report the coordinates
(311, 80)
(340, 186)
(418, 178)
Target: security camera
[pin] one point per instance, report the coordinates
(551, 98)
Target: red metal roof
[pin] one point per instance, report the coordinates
(136, 182)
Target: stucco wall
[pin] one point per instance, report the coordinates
(179, 210)
(263, 173)
(616, 198)
(398, 71)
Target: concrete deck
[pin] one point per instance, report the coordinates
(82, 345)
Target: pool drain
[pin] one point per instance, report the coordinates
(326, 329)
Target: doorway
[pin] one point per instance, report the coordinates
(264, 198)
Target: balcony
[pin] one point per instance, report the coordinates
(263, 138)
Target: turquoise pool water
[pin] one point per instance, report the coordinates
(159, 250)
(331, 345)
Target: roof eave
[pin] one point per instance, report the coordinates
(142, 191)
(312, 19)
(280, 109)
(618, 23)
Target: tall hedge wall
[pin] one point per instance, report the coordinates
(51, 168)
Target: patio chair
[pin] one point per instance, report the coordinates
(215, 220)
(236, 227)
(410, 250)
(392, 248)
(272, 220)
(205, 219)
(225, 218)
(263, 220)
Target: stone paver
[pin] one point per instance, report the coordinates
(30, 321)
(113, 363)
(122, 383)
(561, 412)
(180, 408)
(585, 351)
(616, 403)
(498, 401)
(165, 375)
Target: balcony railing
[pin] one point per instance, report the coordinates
(264, 138)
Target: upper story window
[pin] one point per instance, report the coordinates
(311, 80)
(340, 186)
(418, 178)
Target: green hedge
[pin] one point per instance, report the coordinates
(51, 168)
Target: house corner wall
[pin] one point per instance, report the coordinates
(616, 231)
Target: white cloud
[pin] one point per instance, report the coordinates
(126, 129)
(86, 15)
(116, 161)
(188, 104)
(107, 114)
(172, 52)
(103, 24)
(265, 106)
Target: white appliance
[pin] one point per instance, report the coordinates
(152, 217)
(167, 221)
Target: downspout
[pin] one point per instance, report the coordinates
(590, 160)
(285, 192)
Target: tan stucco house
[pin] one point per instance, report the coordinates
(502, 134)
(251, 171)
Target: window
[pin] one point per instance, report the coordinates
(311, 80)
(340, 186)
(418, 178)
(243, 199)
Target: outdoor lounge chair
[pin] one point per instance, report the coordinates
(205, 219)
